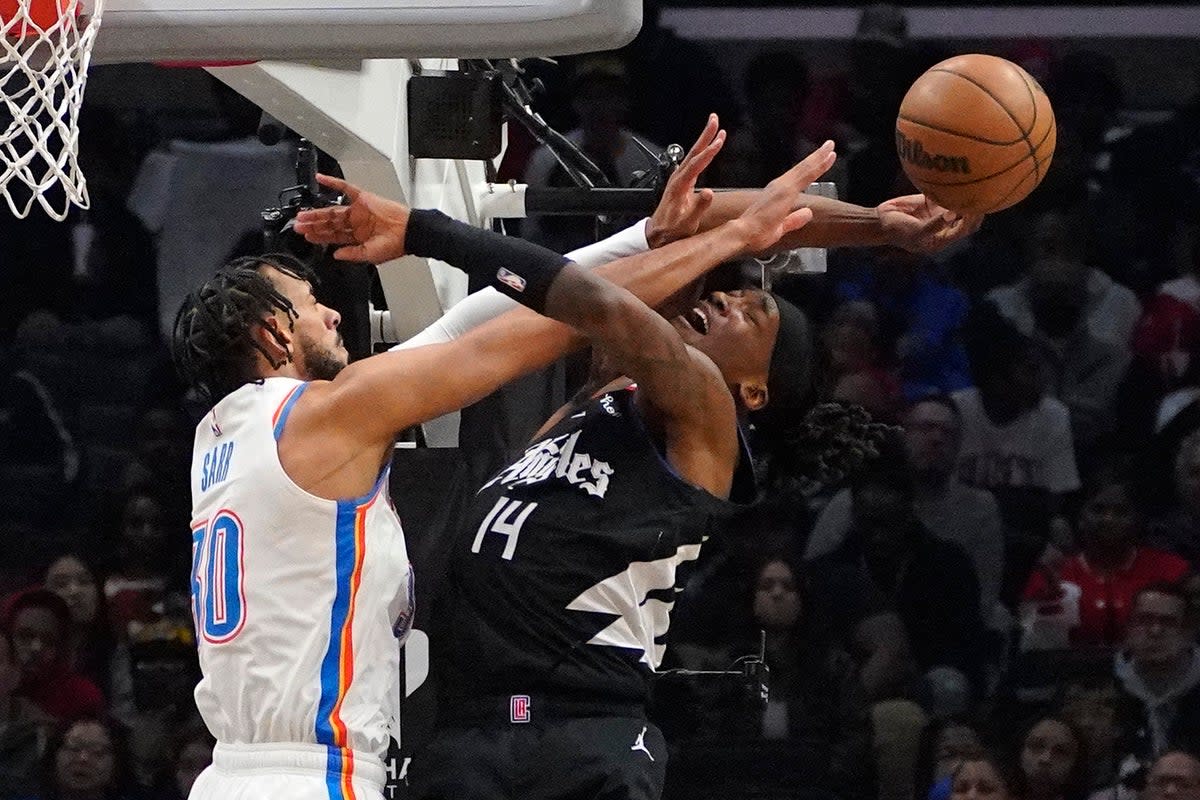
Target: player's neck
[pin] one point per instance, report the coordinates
(288, 369)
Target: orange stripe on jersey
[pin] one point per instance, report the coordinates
(346, 637)
(282, 403)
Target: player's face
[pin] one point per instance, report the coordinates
(316, 344)
(736, 330)
(70, 579)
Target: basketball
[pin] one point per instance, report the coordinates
(975, 133)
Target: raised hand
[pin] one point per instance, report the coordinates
(371, 228)
(771, 215)
(681, 208)
(919, 225)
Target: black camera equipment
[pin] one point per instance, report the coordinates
(751, 670)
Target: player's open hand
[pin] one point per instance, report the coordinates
(681, 208)
(773, 213)
(371, 228)
(919, 225)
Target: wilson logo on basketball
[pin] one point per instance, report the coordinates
(913, 152)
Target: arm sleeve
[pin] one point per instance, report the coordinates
(487, 304)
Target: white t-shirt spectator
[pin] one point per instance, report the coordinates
(1111, 309)
(1034, 450)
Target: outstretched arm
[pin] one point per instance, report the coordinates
(383, 394)
(913, 222)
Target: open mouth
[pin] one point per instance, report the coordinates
(697, 320)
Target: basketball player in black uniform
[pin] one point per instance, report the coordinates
(567, 567)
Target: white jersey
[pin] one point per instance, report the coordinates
(298, 601)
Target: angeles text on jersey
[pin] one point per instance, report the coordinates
(555, 458)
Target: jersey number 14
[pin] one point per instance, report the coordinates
(218, 589)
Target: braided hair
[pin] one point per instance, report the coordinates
(831, 443)
(213, 342)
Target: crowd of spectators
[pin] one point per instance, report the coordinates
(1003, 602)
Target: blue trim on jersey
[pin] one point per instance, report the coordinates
(333, 773)
(343, 543)
(287, 409)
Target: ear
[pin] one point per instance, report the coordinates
(752, 394)
(275, 339)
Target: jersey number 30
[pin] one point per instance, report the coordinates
(218, 588)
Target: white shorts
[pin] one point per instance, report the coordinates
(291, 771)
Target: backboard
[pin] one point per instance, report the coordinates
(344, 30)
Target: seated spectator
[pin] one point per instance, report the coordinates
(857, 373)
(87, 762)
(161, 454)
(1109, 310)
(37, 624)
(770, 141)
(1091, 708)
(921, 317)
(945, 745)
(91, 639)
(814, 731)
(1158, 676)
(600, 99)
(952, 511)
(193, 754)
(1016, 442)
(1053, 762)
(982, 777)
(1175, 775)
(890, 565)
(1093, 590)
(138, 584)
(21, 735)
(1083, 367)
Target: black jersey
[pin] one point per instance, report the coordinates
(570, 560)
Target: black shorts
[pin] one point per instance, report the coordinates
(602, 757)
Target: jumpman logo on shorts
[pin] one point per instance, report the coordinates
(640, 744)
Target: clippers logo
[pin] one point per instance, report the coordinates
(511, 279)
(913, 152)
(518, 708)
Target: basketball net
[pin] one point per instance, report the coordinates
(45, 48)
